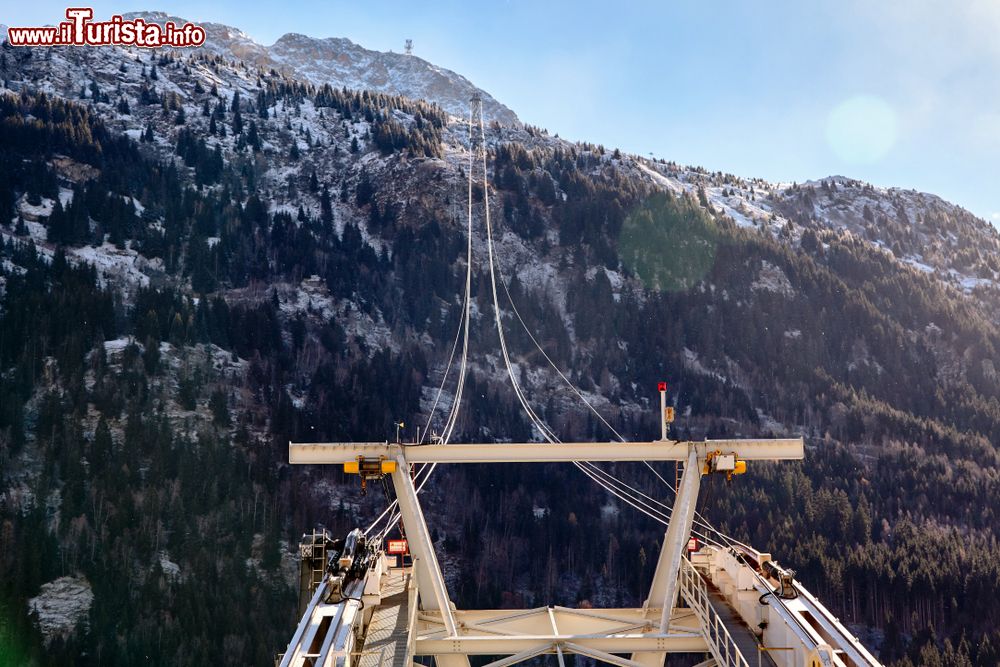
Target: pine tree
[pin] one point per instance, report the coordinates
(703, 198)
(262, 105)
(326, 207)
(253, 139)
(102, 450)
(151, 355)
(220, 411)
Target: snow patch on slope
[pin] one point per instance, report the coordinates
(772, 279)
(61, 606)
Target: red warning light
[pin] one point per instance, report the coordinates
(661, 386)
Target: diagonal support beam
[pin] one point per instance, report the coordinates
(520, 657)
(596, 654)
(663, 590)
(559, 654)
(430, 582)
(664, 587)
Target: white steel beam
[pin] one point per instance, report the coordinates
(485, 629)
(663, 590)
(565, 620)
(664, 586)
(519, 657)
(532, 452)
(430, 582)
(499, 632)
(624, 616)
(304, 622)
(597, 654)
(453, 643)
(626, 643)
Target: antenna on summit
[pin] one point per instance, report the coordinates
(476, 118)
(408, 47)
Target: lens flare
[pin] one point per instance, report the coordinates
(861, 129)
(669, 243)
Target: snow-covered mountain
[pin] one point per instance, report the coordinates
(916, 229)
(274, 260)
(342, 63)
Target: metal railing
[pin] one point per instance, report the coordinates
(694, 592)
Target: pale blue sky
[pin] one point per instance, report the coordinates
(898, 92)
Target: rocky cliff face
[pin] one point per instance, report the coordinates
(342, 63)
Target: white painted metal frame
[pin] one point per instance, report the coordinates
(337, 640)
(780, 449)
(555, 629)
(430, 580)
(799, 626)
(663, 591)
(431, 588)
(451, 636)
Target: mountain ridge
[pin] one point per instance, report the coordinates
(342, 62)
(205, 260)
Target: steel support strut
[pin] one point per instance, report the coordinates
(441, 635)
(430, 581)
(663, 590)
(532, 452)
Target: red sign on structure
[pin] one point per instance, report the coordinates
(397, 547)
(661, 386)
(693, 545)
